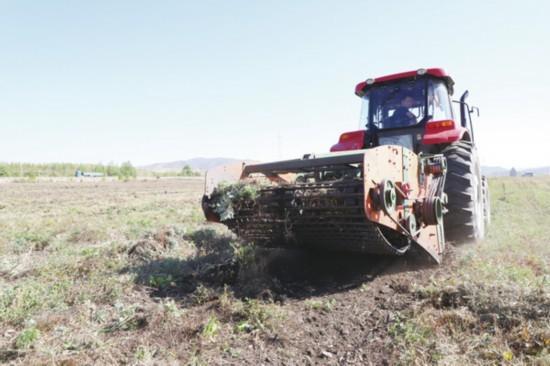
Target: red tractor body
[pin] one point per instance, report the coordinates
(434, 130)
(383, 189)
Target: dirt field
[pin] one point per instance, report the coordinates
(109, 272)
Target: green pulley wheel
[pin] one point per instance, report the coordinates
(388, 196)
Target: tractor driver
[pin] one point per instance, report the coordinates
(403, 117)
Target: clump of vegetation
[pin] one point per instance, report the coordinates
(227, 198)
(18, 302)
(27, 337)
(161, 281)
(144, 354)
(245, 253)
(171, 308)
(127, 171)
(254, 315)
(411, 339)
(211, 328)
(128, 318)
(31, 240)
(247, 315)
(155, 244)
(202, 294)
(318, 305)
(187, 171)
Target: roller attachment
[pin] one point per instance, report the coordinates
(381, 200)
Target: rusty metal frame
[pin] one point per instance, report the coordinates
(303, 165)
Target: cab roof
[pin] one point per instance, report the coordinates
(435, 72)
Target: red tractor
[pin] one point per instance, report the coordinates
(414, 109)
(409, 180)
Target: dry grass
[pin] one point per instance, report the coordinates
(113, 272)
(66, 247)
(110, 272)
(493, 305)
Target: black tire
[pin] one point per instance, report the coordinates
(464, 221)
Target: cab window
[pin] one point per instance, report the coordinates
(439, 104)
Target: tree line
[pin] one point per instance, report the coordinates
(124, 170)
(32, 170)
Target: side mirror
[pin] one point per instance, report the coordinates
(474, 109)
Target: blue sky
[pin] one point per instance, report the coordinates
(94, 81)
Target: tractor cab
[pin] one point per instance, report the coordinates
(411, 109)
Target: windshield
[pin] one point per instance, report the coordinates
(395, 105)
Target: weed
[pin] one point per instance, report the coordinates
(409, 332)
(254, 315)
(85, 234)
(411, 339)
(195, 360)
(230, 351)
(143, 354)
(128, 319)
(30, 240)
(226, 301)
(89, 252)
(161, 281)
(22, 301)
(211, 328)
(27, 337)
(326, 305)
(171, 308)
(245, 253)
(202, 294)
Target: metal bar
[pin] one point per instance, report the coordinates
(300, 165)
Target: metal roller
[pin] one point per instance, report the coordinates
(379, 200)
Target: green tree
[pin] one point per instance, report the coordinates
(187, 171)
(127, 170)
(112, 170)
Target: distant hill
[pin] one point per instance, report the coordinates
(200, 164)
(494, 171)
(538, 171)
(497, 171)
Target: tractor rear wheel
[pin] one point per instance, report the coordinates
(465, 219)
(486, 202)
